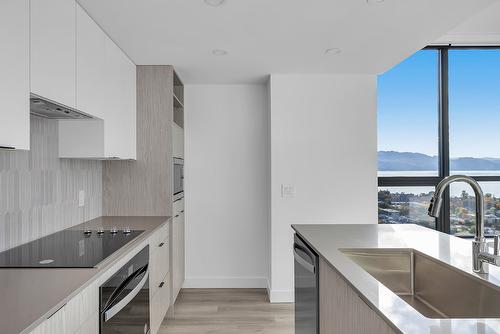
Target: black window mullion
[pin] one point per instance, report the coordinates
(443, 223)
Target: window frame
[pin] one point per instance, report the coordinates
(443, 222)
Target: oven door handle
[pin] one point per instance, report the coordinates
(111, 312)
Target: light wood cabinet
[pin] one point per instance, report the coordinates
(178, 141)
(14, 78)
(160, 304)
(159, 259)
(341, 310)
(178, 244)
(53, 50)
(56, 324)
(159, 277)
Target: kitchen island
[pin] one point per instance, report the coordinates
(353, 301)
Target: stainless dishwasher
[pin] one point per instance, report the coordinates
(306, 288)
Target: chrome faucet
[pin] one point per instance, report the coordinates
(480, 254)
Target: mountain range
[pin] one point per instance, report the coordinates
(409, 161)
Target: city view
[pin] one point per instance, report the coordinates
(410, 134)
(408, 205)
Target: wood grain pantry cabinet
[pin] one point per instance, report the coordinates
(53, 50)
(14, 78)
(178, 245)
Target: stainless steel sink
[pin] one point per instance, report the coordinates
(431, 287)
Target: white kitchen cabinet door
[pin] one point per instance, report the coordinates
(14, 78)
(106, 89)
(91, 83)
(53, 50)
(120, 109)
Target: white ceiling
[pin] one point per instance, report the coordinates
(276, 36)
(482, 28)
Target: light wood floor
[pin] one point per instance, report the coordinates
(228, 311)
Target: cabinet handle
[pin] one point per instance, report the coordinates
(176, 216)
(161, 245)
(161, 284)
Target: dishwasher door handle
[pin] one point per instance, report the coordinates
(309, 267)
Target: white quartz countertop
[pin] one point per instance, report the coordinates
(326, 240)
(29, 296)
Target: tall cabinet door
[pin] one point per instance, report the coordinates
(178, 255)
(120, 122)
(14, 78)
(90, 65)
(53, 50)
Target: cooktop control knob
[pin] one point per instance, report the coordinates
(114, 230)
(87, 231)
(127, 230)
(100, 231)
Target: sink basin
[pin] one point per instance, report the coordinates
(431, 287)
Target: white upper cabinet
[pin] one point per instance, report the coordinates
(53, 50)
(120, 122)
(106, 89)
(14, 74)
(90, 65)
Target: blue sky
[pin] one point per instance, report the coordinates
(408, 110)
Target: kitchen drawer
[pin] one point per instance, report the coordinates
(160, 264)
(178, 207)
(161, 235)
(160, 304)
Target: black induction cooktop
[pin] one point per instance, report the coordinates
(67, 249)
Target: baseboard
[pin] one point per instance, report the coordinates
(281, 296)
(225, 283)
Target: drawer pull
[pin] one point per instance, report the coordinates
(161, 284)
(161, 245)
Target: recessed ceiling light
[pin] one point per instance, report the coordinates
(332, 51)
(219, 52)
(374, 2)
(214, 3)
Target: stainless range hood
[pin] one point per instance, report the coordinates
(46, 108)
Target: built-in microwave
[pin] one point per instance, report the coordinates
(178, 179)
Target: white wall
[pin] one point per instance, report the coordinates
(226, 170)
(323, 142)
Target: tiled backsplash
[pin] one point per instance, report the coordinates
(39, 191)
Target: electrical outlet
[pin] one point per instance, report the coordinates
(81, 198)
(287, 191)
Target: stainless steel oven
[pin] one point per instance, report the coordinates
(178, 178)
(124, 298)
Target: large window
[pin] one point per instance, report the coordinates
(438, 115)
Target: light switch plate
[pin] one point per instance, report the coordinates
(287, 191)
(81, 198)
